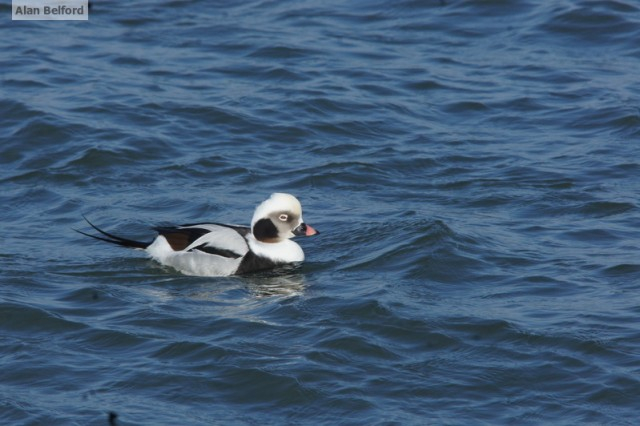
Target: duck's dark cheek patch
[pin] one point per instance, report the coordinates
(265, 230)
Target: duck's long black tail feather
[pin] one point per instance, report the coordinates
(113, 239)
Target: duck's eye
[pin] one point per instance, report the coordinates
(283, 217)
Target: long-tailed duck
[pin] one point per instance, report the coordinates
(215, 249)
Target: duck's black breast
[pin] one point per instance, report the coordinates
(251, 262)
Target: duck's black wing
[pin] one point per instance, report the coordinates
(212, 238)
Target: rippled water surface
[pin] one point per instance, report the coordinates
(473, 167)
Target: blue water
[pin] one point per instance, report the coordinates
(473, 167)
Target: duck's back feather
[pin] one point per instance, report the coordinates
(212, 238)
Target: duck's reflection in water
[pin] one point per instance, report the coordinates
(230, 294)
(284, 281)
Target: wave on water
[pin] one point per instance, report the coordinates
(471, 166)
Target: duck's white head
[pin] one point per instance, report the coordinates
(278, 218)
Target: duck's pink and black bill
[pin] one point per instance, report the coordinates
(305, 230)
